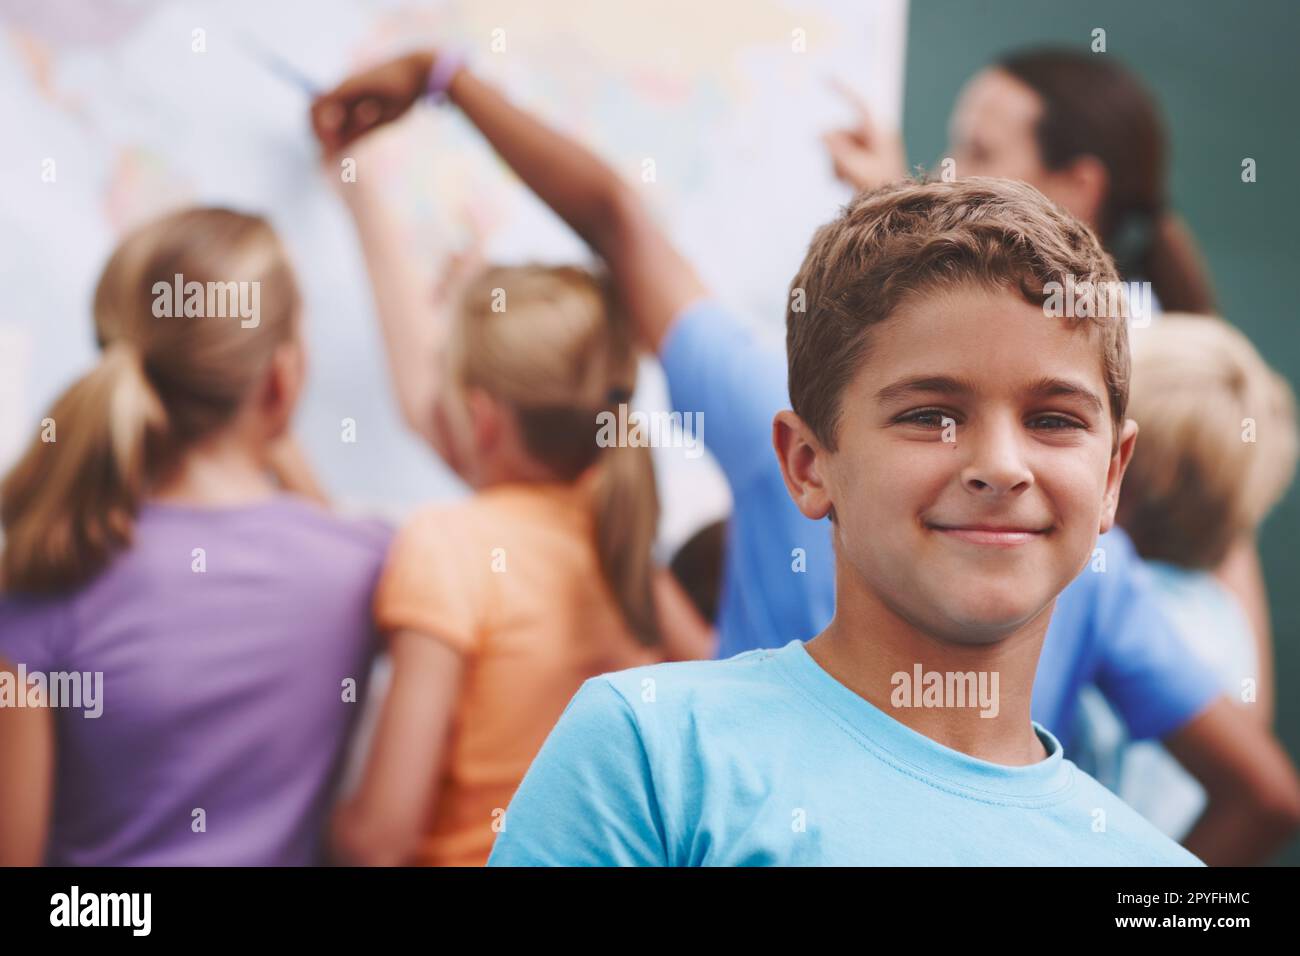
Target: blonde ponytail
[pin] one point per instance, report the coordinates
(165, 381)
(551, 343)
(627, 518)
(71, 500)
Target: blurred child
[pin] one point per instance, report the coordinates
(779, 576)
(497, 608)
(222, 626)
(1218, 451)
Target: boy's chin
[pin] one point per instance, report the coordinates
(983, 618)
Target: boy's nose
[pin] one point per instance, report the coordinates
(996, 463)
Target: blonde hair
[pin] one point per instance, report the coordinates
(161, 384)
(1199, 478)
(549, 343)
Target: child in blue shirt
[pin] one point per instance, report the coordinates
(766, 759)
(968, 449)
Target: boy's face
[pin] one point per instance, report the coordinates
(974, 470)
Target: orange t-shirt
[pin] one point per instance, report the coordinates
(511, 579)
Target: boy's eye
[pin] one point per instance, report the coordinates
(1055, 423)
(927, 418)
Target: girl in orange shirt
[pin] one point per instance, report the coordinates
(498, 607)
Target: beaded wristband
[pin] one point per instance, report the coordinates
(445, 67)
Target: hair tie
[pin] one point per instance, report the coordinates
(446, 64)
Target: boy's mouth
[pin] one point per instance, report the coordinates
(991, 535)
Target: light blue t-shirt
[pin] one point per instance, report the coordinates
(765, 759)
(1108, 628)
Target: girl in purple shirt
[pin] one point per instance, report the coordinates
(184, 645)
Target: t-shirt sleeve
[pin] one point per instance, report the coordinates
(588, 799)
(437, 579)
(1154, 681)
(716, 367)
(33, 633)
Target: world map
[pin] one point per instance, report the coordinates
(125, 109)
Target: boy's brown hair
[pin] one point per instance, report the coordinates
(912, 238)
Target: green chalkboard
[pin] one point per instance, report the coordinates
(1227, 76)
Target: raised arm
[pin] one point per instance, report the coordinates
(862, 154)
(413, 313)
(656, 282)
(410, 322)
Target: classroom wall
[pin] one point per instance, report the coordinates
(1227, 76)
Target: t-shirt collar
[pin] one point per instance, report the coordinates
(1047, 781)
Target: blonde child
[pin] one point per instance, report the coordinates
(497, 608)
(1218, 451)
(212, 623)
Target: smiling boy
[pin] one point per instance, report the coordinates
(968, 449)
(778, 569)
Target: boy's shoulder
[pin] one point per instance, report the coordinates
(1130, 839)
(680, 709)
(687, 685)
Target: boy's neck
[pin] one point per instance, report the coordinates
(875, 653)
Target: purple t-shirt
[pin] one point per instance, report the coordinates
(222, 691)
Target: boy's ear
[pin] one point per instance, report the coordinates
(1115, 473)
(803, 464)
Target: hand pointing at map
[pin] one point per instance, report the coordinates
(369, 99)
(864, 155)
